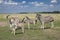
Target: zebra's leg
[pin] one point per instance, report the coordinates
(52, 24)
(11, 27)
(42, 25)
(28, 25)
(22, 29)
(34, 23)
(13, 31)
(14, 28)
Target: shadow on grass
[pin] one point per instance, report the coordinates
(18, 33)
(38, 28)
(47, 27)
(31, 29)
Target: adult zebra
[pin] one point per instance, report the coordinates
(46, 19)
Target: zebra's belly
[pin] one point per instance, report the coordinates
(20, 25)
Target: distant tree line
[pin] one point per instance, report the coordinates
(54, 12)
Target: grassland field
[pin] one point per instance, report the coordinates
(36, 34)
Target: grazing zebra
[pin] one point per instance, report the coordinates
(29, 21)
(16, 23)
(46, 19)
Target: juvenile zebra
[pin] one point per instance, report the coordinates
(16, 23)
(29, 21)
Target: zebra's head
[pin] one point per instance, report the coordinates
(38, 16)
(11, 20)
(25, 19)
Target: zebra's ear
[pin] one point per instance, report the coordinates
(7, 16)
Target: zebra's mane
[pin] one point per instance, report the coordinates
(28, 18)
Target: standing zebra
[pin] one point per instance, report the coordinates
(15, 23)
(46, 19)
(29, 21)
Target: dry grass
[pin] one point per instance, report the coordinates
(36, 34)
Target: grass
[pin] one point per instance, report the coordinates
(36, 34)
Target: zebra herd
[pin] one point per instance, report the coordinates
(15, 23)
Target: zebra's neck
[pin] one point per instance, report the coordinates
(40, 18)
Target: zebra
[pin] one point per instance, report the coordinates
(16, 23)
(29, 21)
(46, 19)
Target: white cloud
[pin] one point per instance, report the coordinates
(1, 1)
(38, 3)
(23, 2)
(51, 5)
(10, 2)
(41, 3)
(34, 2)
(31, 2)
(25, 6)
(48, 6)
(53, 1)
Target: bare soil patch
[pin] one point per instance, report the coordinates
(2, 24)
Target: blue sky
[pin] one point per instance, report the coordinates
(16, 6)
